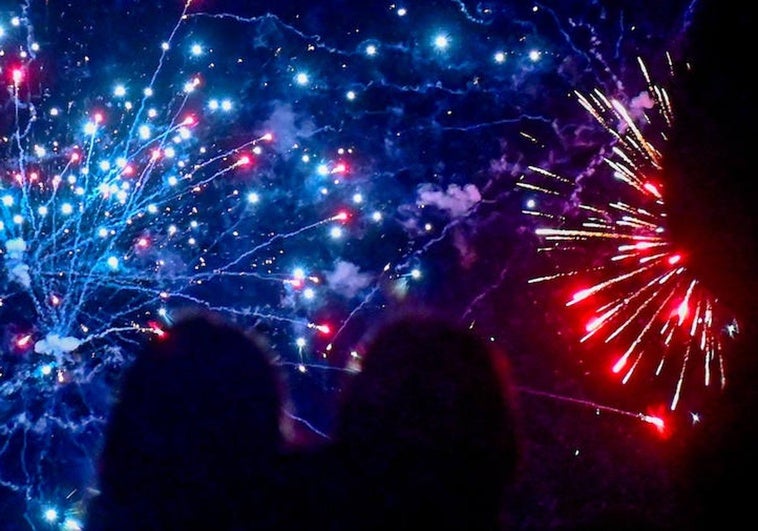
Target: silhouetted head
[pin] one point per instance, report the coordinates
(195, 432)
(429, 423)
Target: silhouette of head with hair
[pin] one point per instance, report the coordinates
(428, 428)
(193, 440)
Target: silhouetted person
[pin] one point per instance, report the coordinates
(426, 437)
(713, 196)
(194, 438)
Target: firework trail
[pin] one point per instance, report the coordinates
(639, 304)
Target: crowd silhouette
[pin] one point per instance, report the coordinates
(426, 436)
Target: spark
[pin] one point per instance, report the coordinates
(635, 294)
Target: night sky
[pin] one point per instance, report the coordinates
(303, 168)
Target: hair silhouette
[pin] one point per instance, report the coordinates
(427, 429)
(194, 439)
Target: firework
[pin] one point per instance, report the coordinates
(278, 167)
(112, 216)
(639, 303)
